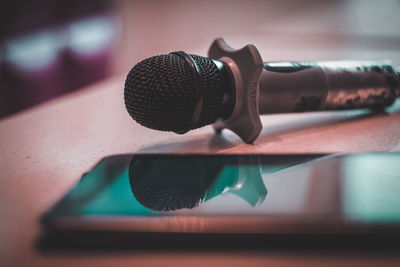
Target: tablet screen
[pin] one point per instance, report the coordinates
(361, 188)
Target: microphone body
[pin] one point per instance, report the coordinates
(279, 87)
(311, 86)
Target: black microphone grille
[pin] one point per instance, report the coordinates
(162, 92)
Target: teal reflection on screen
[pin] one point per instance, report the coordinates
(117, 199)
(105, 190)
(371, 185)
(151, 185)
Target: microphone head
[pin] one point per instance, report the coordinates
(162, 92)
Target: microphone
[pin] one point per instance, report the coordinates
(180, 92)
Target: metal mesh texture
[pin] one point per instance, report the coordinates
(159, 186)
(160, 94)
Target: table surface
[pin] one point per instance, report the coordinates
(45, 150)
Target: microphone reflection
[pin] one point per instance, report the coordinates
(176, 182)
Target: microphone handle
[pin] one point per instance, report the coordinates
(312, 86)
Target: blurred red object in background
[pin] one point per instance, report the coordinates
(52, 47)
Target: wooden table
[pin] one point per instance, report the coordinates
(44, 151)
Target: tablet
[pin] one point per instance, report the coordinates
(220, 197)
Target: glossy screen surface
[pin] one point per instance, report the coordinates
(364, 187)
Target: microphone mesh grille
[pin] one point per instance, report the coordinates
(160, 92)
(211, 90)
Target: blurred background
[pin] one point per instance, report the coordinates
(51, 47)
